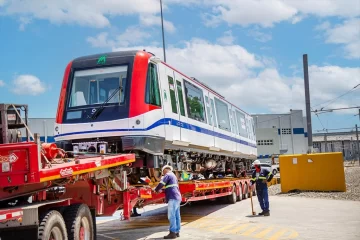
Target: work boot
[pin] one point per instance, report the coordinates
(262, 213)
(135, 215)
(267, 213)
(178, 234)
(171, 235)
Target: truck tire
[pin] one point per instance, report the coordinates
(52, 226)
(79, 223)
(232, 197)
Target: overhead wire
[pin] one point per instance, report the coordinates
(332, 100)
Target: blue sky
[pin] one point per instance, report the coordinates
(250, 51)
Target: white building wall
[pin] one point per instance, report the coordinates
(42, 126)
(290, 140)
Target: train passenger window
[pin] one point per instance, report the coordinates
(181, 97)
(241, 123)
(213, 112)
(210, 115)
(236, 129)
(172, 94)
(222, 115)
(152, 95)
(195, 102)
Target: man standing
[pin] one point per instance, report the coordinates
(173, 198)
(261, 176)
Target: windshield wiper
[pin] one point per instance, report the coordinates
(101, 108)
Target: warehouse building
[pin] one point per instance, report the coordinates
(344, 142)
(280, 133)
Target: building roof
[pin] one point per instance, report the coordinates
(337, 136)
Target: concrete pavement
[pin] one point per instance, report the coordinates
(291, 218)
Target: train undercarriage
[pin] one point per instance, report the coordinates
(189, 163)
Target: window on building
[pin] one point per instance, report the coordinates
(265, 142)
(152, 95)
(195, 102)
(172, 94)
(222, 113)
(285, 131)
(181, 97)
(213, 112)
(241, 123)
(209, 114)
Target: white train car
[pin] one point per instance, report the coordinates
(133, 102)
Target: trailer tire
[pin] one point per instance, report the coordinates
(246, 191)
(52, 224)
(232, 197)
(79, 222)
(239, 197)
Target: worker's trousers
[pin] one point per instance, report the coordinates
(263, 197)
(174, 215)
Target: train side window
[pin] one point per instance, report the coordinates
(209, 114)
(222, 112)
(172, 94)
(195, 102)
(213, 112)
(181, 97)
(152, 95)
(236, 128)
(241, 123)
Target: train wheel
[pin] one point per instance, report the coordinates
(232, 197)
(79, 222)
(52, 226)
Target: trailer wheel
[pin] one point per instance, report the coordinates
(245, 195)
(52, 226)
(79, 222)
(232, 197)
(239, 197)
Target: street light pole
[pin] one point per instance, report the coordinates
(307, 103)
(162, 29)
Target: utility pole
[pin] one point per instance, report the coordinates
(357, 143)
(162, 28)
(307, 103)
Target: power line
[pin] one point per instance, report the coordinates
(334, 109)
(335, 129)
(332, 100)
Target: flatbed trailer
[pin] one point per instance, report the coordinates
(46, 202)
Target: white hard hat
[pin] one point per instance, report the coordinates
(256, 162)
(167, 166)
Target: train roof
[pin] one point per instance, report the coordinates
(132, 53)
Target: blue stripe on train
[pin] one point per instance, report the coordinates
(173, 122)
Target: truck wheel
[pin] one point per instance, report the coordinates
(79, 222)
(52, 226)
(232, 197)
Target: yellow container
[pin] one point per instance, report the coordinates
(312, 172)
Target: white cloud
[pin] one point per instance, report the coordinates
(259, 36)
(266, 13)
(132, 35)
(28, 85)
(234, 72)
(152, 20)
(91, 13)
(347, 33)
(2, 83)
(23, 22)
(227, 39)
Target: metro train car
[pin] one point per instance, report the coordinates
(131, 101)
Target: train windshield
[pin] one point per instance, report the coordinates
(94, 86)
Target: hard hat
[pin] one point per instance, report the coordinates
(256, 162)
(167, 166)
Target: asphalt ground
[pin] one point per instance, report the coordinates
(291, 218)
